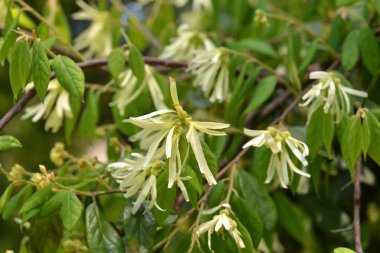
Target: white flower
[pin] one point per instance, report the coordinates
(134, 177)
(165, 128)
(132, 88)
(221, 221)
(54, 109)
(183, 46)
(279, 141)
(97, 38)
(211, 70)
(197, 4)
(331, 94)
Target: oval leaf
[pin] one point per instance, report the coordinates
(7, 142)
(71, 210)
(40, 69)
(136, 62)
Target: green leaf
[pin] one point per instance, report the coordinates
(289, 217)
(319, 132)
(116, 62)
(100, 235)
(377, 3)
(262, 92)
(350, 54)
(20, 65)
(344, 133)
(246, 237)
(358, 139)
(194, 186)
(210, 158)
(37, 199)
(343, 250)
(369, 49)
(249, 217)
(259, 46)
(90, 116)
(52, 205)
(136, 62)
(69, 75)
(49, 241)
(71, 210)
(5, 197)
(258, 198)
(7, 142)
(10, 37)
(165, 198)
(309, 55)
(14, 202)
(70, 123)
(40, 69)
(374, 145)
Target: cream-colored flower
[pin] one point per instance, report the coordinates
(184, 46)
(55, 108)
(197, 4)
(131, 88)
(58, 154)
(97, 38)
(165, 128)
(210, 68)
(43, 179)
(16, 175)
(221, 221)
(279, 141)
(134, 177)
(330, 93)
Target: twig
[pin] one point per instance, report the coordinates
(357, 194)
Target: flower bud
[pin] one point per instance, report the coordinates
(58, 153)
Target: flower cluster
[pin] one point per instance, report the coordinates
(43, 179)
(329, 93)
(221, 221)
(54, 109)
(279, 141)
(187, 42)
(211, 70)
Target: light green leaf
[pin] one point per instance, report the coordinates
(69, 75)
(40, 69)
(257, 45)
(350, 54)
(116, 62)
(90, 116)
(374, 145)
(20, 65)
(377, 2)
(358, 139)
(100, 235)
(37, 199)
(70, 123)
(71, 210)
(10, 37)
(7, 142)
(290, 217)
(52, 205)
(309, 56)
(5, 197)
(343, 250)
(369, 49)
(14, 202)
(136, 62)
(262, 92)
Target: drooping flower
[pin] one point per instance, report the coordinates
(221, 221)
(280, 142)
(54, 109)
(165, 128)
(97, 38)
(133, 177)
(330, 93)
(184, 46)
(211, 70)
(131, 88)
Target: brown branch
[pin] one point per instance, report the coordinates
(93, 63)
(357, 195)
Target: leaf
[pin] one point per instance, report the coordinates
(116, 62)
(37, 199)
(377, 3)
(262, 92)
(71, 210)
(350, 54)
(309, 56)
(40, 69)
(258, 198)
(14, 202)
(52, 205)
(70, 122)
(165, 198)
(7, 142)
(20, 65)
(257, 45)
(289, 217)
(5, 197)
(369, 49)
(45, 242)
(100, 235)
(210, 158)
(90, 116)
(358, 139)
(249, 217)
(69, 75)
(343, 250)
(374, 145)
(10, 37)
(319, 132)
(136, 62)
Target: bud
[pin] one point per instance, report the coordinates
(261, 18)
(58, 154)
(74, 246)
(17, 174)
(43, 179)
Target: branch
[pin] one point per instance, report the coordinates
(357, 195)
(93, 63)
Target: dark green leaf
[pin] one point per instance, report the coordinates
(136, 62)
(165, 198)
(71, 210)
(7, 142)
(246, 237)
(369, 49)
(69, 75)
(70, 122)
(40, 70)
(350, 54)
(49, 241)
(210, 158)
(20, 65)
(116, 62)
(37, 199)
(52, 205)
(100, 235)
(90, 117)
(262, 92)
(374, 145)
(358, 139)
